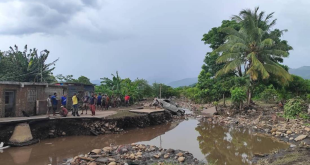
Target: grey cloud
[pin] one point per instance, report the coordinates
(92, 3)
(50, 17)
(153, 39)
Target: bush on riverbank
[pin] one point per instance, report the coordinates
(238, 95)
(294, 107)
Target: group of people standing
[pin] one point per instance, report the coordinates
(52, 103)
(92, 102)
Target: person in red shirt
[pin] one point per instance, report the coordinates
(63, 112)
(127, 100)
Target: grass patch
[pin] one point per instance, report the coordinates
(289, 159)
(123, 113)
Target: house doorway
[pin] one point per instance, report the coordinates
(9, 98)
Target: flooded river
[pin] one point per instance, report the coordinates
(207, 142)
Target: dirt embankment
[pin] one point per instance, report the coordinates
(82, 126)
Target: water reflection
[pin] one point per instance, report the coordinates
(53, 151)
(232, 145)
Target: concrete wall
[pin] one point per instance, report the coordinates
(25, 98)
(60, 90)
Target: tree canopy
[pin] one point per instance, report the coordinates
(26, 66)
(69, 79)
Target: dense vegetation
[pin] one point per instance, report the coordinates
(137, 89)
(245, 63)
(26, 66)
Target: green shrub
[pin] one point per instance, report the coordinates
(268, 94)
(294, 107)
(304, 115)
(238, 95)
(215, 103)
(308, 98)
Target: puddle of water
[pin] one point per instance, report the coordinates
(207, 142)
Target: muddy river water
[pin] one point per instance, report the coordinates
(207, 142)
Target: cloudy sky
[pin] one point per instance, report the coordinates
(151, 39)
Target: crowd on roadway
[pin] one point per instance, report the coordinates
(91, 102)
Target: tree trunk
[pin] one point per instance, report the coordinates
(240, 72)
(240, 106)
(224, 100)
(249, 96)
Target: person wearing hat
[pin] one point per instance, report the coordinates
(63, 112)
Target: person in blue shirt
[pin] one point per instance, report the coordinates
(64, 100)
(99, 101)
(54, 103)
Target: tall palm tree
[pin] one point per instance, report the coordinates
(253, 48)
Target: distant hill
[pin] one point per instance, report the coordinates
(303, 72)
(183, 82)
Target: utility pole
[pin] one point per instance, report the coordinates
(160, 91)
(40, 61)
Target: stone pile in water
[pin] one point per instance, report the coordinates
(133, 154)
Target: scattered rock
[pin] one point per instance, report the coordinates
(96, 151)
(259, 154)
(86, 158)
(273, 130)
(156, 156)
(132, 156)
(180, 154)
(166, 156)
(181, 159)
(92, 163)
(278, 133)
(111, 160)
(107, 149)
(300, 137)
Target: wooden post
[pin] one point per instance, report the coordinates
(224, 100)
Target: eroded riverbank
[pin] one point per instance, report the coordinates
(58, 127)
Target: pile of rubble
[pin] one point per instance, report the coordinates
(133, 154)
(102, 127)
(267, 120)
